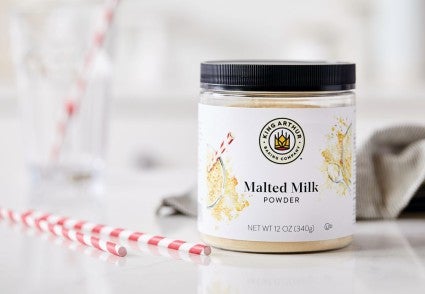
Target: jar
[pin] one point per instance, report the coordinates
(276, 158)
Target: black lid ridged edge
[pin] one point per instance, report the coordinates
(278, 77)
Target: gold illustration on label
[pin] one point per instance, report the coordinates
(223, 200)
(338, 158)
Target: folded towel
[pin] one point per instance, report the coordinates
(185, 204)
(390, 170)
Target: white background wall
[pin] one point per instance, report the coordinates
(157, 45)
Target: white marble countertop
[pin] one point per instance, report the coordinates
(385, 257)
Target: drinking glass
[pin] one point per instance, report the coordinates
(50, 42)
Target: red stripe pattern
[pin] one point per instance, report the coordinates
(116, 232)
(78, 225)
(176, 244)
(97, 229)
(155, 240)
(79, 89)
(73, 228)
(133, 236)
(223, 147)
(62, 220)
(29, 220)
(90, 241)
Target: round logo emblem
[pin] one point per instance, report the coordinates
(282, 140)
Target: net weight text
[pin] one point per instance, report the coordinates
(282, 228)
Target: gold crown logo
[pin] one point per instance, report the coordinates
(282, 142)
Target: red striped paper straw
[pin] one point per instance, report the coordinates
(73, 246)
(224, 145)
(32, 222)
(73, 102)
(123, 234)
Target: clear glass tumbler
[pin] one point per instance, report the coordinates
(50, 43)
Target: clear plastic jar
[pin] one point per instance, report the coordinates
(276, 156)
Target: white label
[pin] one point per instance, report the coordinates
(276, 174)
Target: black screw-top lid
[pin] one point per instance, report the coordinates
(277, 75)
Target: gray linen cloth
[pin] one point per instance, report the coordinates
(390, 169)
